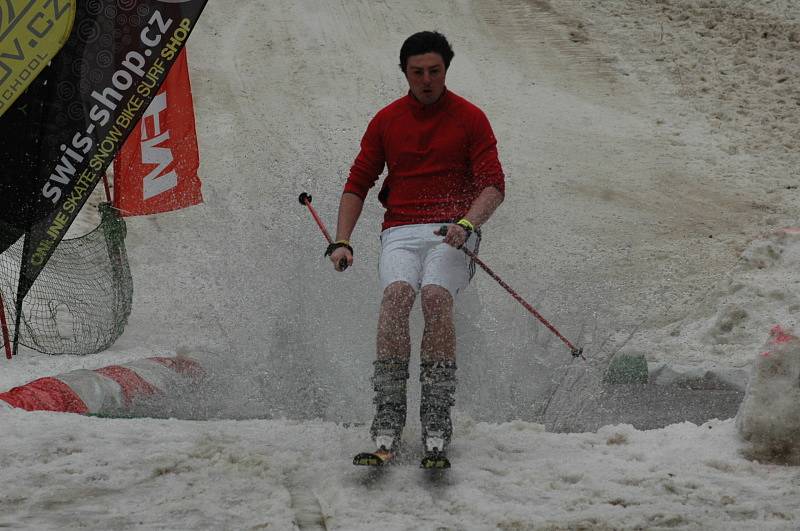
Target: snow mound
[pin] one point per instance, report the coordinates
(723, 324)
(769, 417)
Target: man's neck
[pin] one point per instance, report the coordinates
(433, 103)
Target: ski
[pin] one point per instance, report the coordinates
(434, 461)
(377, 458)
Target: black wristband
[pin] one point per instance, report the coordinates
(332, 247)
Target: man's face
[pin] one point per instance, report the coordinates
(425, 74)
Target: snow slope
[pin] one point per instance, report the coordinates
(629, 208)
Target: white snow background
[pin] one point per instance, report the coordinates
(651, 153)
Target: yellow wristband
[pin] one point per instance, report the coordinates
(345, 242)
(464, 222)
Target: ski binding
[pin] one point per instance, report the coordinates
(434, 457)
(379, 457)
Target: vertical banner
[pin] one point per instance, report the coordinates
(21, 130)
(156, 169)
(97, 89)
(31, 34)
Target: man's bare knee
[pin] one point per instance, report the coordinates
(398, 298)
(436, 301)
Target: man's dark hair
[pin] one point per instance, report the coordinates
(426, 42)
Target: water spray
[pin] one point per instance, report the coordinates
(577, 352)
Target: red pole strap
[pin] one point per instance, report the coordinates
(577, 352)
(4, 326)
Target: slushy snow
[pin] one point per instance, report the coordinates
(651, 159)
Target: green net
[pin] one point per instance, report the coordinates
(81, 300)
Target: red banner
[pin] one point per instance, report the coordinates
(156, 169)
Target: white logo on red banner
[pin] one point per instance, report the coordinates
(156, 169)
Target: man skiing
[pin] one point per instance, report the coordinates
(443, 170)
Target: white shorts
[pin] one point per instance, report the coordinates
(414, 254)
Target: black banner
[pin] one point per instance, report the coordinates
(19, 156)
(98, 87)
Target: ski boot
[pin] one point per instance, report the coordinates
(438, 396)
(389, 383)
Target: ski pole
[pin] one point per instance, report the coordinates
(576, 352)
(4, 327)
(305, 199)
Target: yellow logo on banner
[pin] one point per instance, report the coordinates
(31, 34)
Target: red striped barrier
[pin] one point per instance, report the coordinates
(106, 390)
(45, 394)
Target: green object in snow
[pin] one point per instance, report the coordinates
(627, 369)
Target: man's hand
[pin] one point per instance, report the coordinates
(342, 258)
(454, 235)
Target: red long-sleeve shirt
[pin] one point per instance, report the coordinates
(439, 159)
